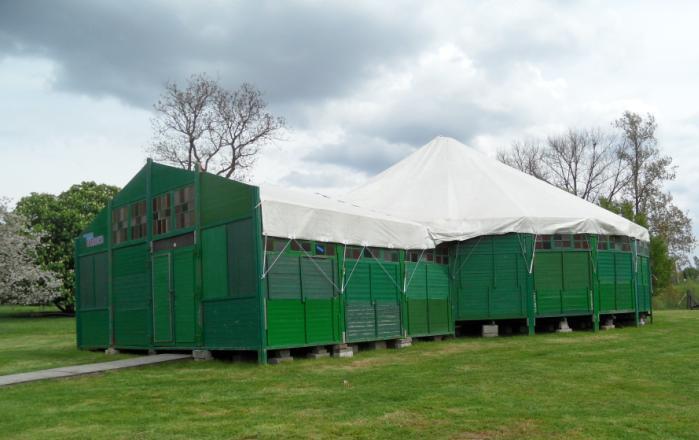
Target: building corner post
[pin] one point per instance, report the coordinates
(594, 255)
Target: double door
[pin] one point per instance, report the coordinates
(174, 316)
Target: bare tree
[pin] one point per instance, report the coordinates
(584, 162)
(205, 124)
(526, 156)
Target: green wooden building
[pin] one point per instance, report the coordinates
(186, 260)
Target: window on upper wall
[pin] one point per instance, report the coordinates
(580, 241)
(139, 221)
(391, 255)
(120, 224)
(622, 243)
(353, 252)
(161, 214)
(543, 242)
(441, 254)
(276, 244)
(561, 241)
(184, 207)
(413, 256)
(603, 242)
(429, 255)
(300, 245)
(326, 249)
(372, 252)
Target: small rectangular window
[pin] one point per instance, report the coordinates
(300, 245)
(391, 255)
(138, 220)
(372, 253)
(120, 224)
(354, 252)
(543, 242)
(184, 207)
(327, 249)
(429, 255)
(561, 241)
(580, 241)
(161, 214)
(412, 256)
(603, 242)
(276, 244)
(621, 243)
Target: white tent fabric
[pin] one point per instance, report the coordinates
(293, 214)
(459, 193)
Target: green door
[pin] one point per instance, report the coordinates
(174, 317)
(162, 300)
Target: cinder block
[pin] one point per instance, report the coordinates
(563, 326)
(343, 351)
(318, 352)
(111, 351)
(377, 345)
(401, 343)
(489, 330)
(608, 324)
(202, 355)
(280, 356)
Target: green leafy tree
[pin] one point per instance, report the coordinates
(59, 220)
(662, 264)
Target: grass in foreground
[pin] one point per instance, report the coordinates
(626, 383)
(36, 338)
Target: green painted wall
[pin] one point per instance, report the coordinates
(615, 278)
(302, 301)
(563, 282)
(427, 303)
(491, 275)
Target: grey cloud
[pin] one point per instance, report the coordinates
(295, 51)
(369, 155)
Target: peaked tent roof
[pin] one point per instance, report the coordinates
(293, 214)
(459, 193)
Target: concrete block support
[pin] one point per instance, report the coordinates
(376, 345)
(401, 343)
(317, 353)
(608, 323)
(489, 330)
(202, 355)
(280, 356)
(563, 326)
(111, 351)
(342, 350)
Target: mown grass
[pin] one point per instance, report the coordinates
(36, 338)
(673, 296)
(625, 383)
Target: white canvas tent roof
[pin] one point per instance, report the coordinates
(293, 214)
(459, 193)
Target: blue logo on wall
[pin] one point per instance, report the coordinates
(92, 241)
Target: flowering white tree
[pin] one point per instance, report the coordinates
(22, 281)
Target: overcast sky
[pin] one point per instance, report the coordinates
(361, 84)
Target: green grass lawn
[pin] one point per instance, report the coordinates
(626, 383)
(35, 338)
